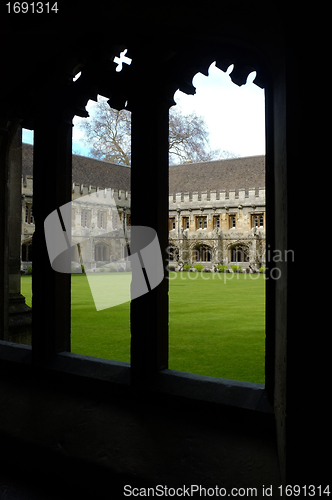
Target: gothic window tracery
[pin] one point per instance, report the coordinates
(202, 253)
(239, 253)
(101, 252)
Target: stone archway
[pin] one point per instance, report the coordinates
(15, 314)
(202, 253)
(26, 251)
(238, 253)
(102, 253)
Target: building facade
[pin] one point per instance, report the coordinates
(216, 213)
(100, 229)
(217, 228)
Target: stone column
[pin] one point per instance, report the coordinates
(15, 314)
(52, 188)
(149, 170)
(4, 258)
(19, 313)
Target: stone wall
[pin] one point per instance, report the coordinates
(230, 227)
(230, 224)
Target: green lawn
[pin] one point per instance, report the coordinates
(216, 324)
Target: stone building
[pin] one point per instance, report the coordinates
(73, 426)
(89, 176)
(216, 211)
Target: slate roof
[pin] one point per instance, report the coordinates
(87, 171)
(27, 156)
(102, 174)
(219, 175)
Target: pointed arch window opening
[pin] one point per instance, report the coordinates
(105, 257)
(188, 224)
(239, 254)
(228, 223)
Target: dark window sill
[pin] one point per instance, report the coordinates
(230, 393)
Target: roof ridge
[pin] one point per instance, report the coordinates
(101, 161)
(171, 166)
(86, 157)
(216, 161)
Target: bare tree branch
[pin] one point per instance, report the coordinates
(107, 133)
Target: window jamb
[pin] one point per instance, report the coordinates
(232, 220)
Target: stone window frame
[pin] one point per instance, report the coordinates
(245, 395)
(200, 222)
(115, 221)
(85, 217)
(200, 251)
(171, 223)
(232, 220)
(185, 222)
(102, 249)
(261, 216)
(239, 249)
(28, 216)
(102, 219)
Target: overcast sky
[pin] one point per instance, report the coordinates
(234, 115)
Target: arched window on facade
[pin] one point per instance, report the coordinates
(27, 252)
(202, 253)
(239, 253)
(126, 251)
(101, 252)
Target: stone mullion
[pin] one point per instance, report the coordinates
(19, 312)
(4, 229)
(52, 189)
(149, 172)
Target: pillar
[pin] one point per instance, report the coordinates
(15, 314)
(4, 229)
(19, 312)
(149, 313)
(52, 185)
